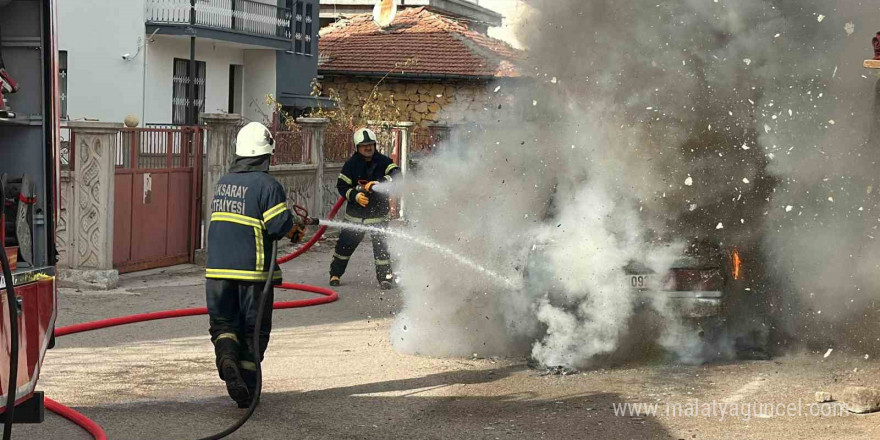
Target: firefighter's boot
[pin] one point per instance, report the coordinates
(250, 379)
(226, 350)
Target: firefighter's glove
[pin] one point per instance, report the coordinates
(362, 199)
(296, 234)
(299, 230)
(369, 186)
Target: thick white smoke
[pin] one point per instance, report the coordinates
(651, 126)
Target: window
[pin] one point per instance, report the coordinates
(179, 98)
(62, 81)
(236, 85)
(308, 34)
(298, 28)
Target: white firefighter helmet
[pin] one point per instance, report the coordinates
(364, 135)
(253, 140)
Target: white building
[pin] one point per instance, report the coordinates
(121, 57)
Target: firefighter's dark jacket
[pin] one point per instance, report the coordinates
(381, 169)
(248, 212)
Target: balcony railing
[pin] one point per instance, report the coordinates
(242, 16)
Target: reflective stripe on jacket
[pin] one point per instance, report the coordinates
(249, 211)
(380, 169)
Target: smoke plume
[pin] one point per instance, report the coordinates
(638, 131)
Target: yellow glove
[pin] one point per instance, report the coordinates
(362, 199)
(299, 230)
(297, 233)
(369, 186)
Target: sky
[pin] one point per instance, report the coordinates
(511, 10)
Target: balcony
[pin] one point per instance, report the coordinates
(240, 21)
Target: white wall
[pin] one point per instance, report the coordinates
(259, 75)
(102, 85)
(259, 81)
(95, 34)
(160, 72)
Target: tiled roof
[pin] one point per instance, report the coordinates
(418, 42)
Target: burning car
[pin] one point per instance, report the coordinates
(699, 290)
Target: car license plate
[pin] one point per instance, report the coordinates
(640, 282)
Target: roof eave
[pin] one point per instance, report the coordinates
(409, 75)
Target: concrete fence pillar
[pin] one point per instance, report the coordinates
(406, 131)
(222, 128)
(90, 228)
(313, 135)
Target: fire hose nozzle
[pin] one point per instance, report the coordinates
(364, 186)
(313, 221)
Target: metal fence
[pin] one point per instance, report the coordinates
(426, 140)
(153, 148)
(245, 16)
(338, 144)
(290, 147)
(157, 147)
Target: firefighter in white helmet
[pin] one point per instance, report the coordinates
(361, 173)
(249, 211)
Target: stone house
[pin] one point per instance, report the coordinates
(429, 66)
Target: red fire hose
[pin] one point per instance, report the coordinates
(84, 422)
(329, 296)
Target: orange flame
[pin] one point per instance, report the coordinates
(737, 264)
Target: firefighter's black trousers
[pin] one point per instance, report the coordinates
(232, 312)
(349, 239)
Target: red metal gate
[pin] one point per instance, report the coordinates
(157, 199)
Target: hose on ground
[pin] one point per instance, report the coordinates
(74, 416)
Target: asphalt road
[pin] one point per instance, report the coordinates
(331, 374)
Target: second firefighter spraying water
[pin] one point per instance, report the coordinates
(361, 173)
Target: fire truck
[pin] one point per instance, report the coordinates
(29, 178)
